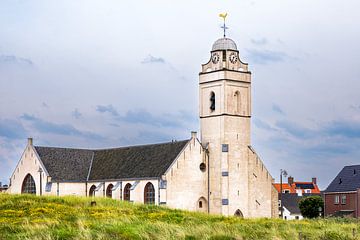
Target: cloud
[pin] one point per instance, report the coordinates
(276, 108)
(59, 129)
(266, 56)
(346, 129)
(263, 125)
(295, 129)
(260, 41)
(12, 129)
(109, 108)
(44, 105)
(76, 114)
(151, 59)
(145, 117)
(13, 60)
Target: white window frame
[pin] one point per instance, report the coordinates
(336, 199)
(343, 199)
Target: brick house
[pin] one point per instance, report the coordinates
(341, 197)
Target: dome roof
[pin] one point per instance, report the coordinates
(224, 44)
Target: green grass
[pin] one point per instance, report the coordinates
(31, 217)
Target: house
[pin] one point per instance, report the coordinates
(341, 197)
(3, 188)
(292, 193)
(298, 187)
(219, 173)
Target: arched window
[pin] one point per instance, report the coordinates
(149, 193)
(237, 102)
(202, 205)
(238, 213)
(92, 191)
(212, 101)
(109, 190)
(28, 185)
(127, 192)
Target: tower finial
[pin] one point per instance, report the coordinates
(223, 16)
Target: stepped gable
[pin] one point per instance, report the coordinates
(145, 161)
(66, 164)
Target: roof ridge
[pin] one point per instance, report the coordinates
(111, 148)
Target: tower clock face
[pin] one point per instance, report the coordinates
(215, 58)
(233, 57)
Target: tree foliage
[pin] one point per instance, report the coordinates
(311, 207)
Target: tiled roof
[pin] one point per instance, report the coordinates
(66, 164)
(348, 179)
(298, 185)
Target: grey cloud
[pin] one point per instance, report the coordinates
(295, 129)
(59, 129)
(263, 125)
(266, 56)
(76, 113)
(343, 128)
(276, 108)
(14, 60)
(12, 129)
(109, 108)
(152, 59)
(44, 105)
(260, 41)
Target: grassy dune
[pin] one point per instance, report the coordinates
(31, 217)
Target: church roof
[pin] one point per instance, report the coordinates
(144, 161)
(224, 44)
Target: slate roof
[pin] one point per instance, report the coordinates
(348, 179)
(291, 201)
(135, 162)
(66, 164)
(145, 161)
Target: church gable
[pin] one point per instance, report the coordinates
(144, 161)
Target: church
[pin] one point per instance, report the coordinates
(217, 172)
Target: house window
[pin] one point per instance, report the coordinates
(149, 193)
(336, 199)
(127, 192)
(343, 199)
(109, 190)
(307, 190)
(286, 191)
(28, 185)
(297, 217)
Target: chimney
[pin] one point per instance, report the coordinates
(290, 180)
(193, 134)
(30, 141)
(313, 180)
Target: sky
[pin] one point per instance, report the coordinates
(94, 74)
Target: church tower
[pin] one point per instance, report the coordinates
(225, 111)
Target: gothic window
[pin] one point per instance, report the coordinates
(28, 185)
(92, 191)
(237, 102)
(200, 204)
(127, 192)
(149, 193)
(212, 101)
(109, 190)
